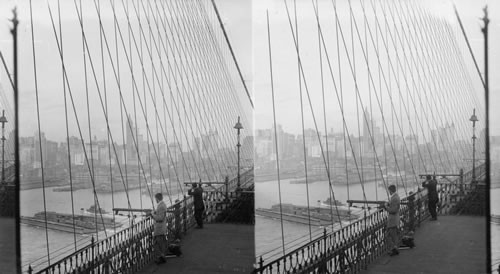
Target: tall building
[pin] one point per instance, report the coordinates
(130, 146)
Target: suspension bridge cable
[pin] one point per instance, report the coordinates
(136, 88)
(231, 51)
(125, 141)
(358, 94)
(429, 51)
(421, 80)
(220, 63)
(468, 46)
(189, 68)
(342, 109)
(92, 174)
(74, 110)
(7, 70)
(195, 60)
(39, 132)
(309, 98)
(385, 81)
(418, 94)
(122, 100)
(438, 55)
(324, 118)
(101, 99)
(149, 87)
(302, 117)
(375, 186)
(275, 133)
(203, 46)
(337, 24)
(106, 115)
(419, 123)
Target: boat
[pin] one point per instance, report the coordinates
(80, 224)
(69, 188)
(310, 180)
(328, 202)
(92, 209)
(316, 216)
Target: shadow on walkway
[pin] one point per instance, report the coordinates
(217, 248)
(7, 245)
(452, 244)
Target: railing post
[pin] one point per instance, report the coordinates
(411, 212)
(323, 265)
(106, 267)
(184, 214)
(461, 189)
(419, 207)
(177, 216)
(226, 182)
(92, 241)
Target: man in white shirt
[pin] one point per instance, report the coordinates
(392, 207)
(160, 228)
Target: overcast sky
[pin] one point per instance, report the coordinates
(49, 70)
(244, 19)
(285, 71)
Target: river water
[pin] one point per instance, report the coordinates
(34, 239)
(268, 231)
(269, 237)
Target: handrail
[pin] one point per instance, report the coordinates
(352, 247)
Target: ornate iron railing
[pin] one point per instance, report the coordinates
(353, 247)
(131, 249)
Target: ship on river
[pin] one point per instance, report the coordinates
(93, 209)
(320, 215)
(339, 178)
(83, 224)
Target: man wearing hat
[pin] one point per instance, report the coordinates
(160, 228)
(197, 193)
(392, 207)
(433, 200)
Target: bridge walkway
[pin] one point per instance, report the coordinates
(452, 244)
(8, 244)
(217, 248)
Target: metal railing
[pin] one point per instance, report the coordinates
(131, 249)
(353, 247)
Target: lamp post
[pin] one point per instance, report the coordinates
(3, 120)
(238, 127)
(473, 119)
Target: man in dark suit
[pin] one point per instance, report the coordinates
(197, 192)
(392, 207)
(431, 185)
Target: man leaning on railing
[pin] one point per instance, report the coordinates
(160, 228)
(431, 185)
(197, 192)
(392, 207)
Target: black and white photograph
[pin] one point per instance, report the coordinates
(249, 136)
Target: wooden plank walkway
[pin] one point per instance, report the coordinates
(452, 244)
(217, 248)
(7, 245)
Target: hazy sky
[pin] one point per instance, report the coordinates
(50, 74)
(285, 78)
(243, 21)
